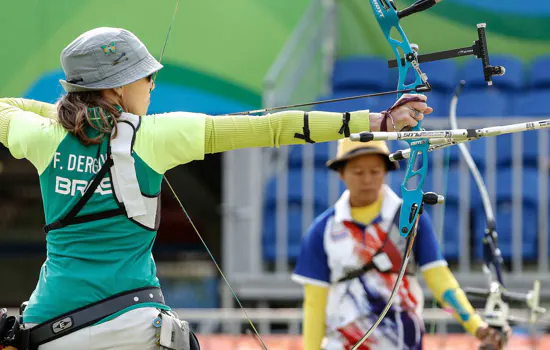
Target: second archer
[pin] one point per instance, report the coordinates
(351, 256)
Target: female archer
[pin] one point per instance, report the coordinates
(351, 256)
(100, 160)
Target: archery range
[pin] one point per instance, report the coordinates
(253, 206)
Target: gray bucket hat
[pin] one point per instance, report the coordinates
(105, 58)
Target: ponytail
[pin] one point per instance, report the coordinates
(79, 111)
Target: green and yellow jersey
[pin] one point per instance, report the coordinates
(92, 261)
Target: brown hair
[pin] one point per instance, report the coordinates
(78, 111)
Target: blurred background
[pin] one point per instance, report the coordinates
(252, 206)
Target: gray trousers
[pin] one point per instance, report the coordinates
(129, 331)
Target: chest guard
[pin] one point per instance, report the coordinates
(388, 256)
(142, 209)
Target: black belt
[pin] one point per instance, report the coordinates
(90, 314)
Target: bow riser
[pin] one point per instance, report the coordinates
(388, 18)
(411, 188)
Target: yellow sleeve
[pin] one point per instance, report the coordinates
(224, 133)
(46, 110)
(448, 293)
(315, 302)
(28, 135)
(165, 141)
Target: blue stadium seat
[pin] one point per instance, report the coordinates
(384, 102)
(442, 75)
(504, 147)
(504, 213)
(191, 292)
(321, 153)
(451, 156)
(294, 218)
(483, 103)
(511, 81)
(529, 152)
(476, 149)
(451, 233)
(394, 181)
(454, 195)
(440, 102)
(361, 73)
(540, 75)
(532, 104)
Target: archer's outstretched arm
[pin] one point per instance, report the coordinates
(224, 133)
(167, 140)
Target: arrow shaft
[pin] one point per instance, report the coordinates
(458, 135)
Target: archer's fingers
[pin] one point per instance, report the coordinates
(407, 122)
(422, 107)
(419, 96)
(415, 114)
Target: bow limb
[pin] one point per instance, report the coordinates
(497, 308)
(261, 341)
(491, 253)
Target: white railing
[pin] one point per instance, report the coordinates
(208, 321)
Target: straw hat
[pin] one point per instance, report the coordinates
(348, 149)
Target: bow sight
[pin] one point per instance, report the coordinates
(478, 49)
(497, 310)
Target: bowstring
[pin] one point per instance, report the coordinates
(441, 228)
(189, 217)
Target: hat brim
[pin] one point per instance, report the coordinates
(336, 164)
(140, 70)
